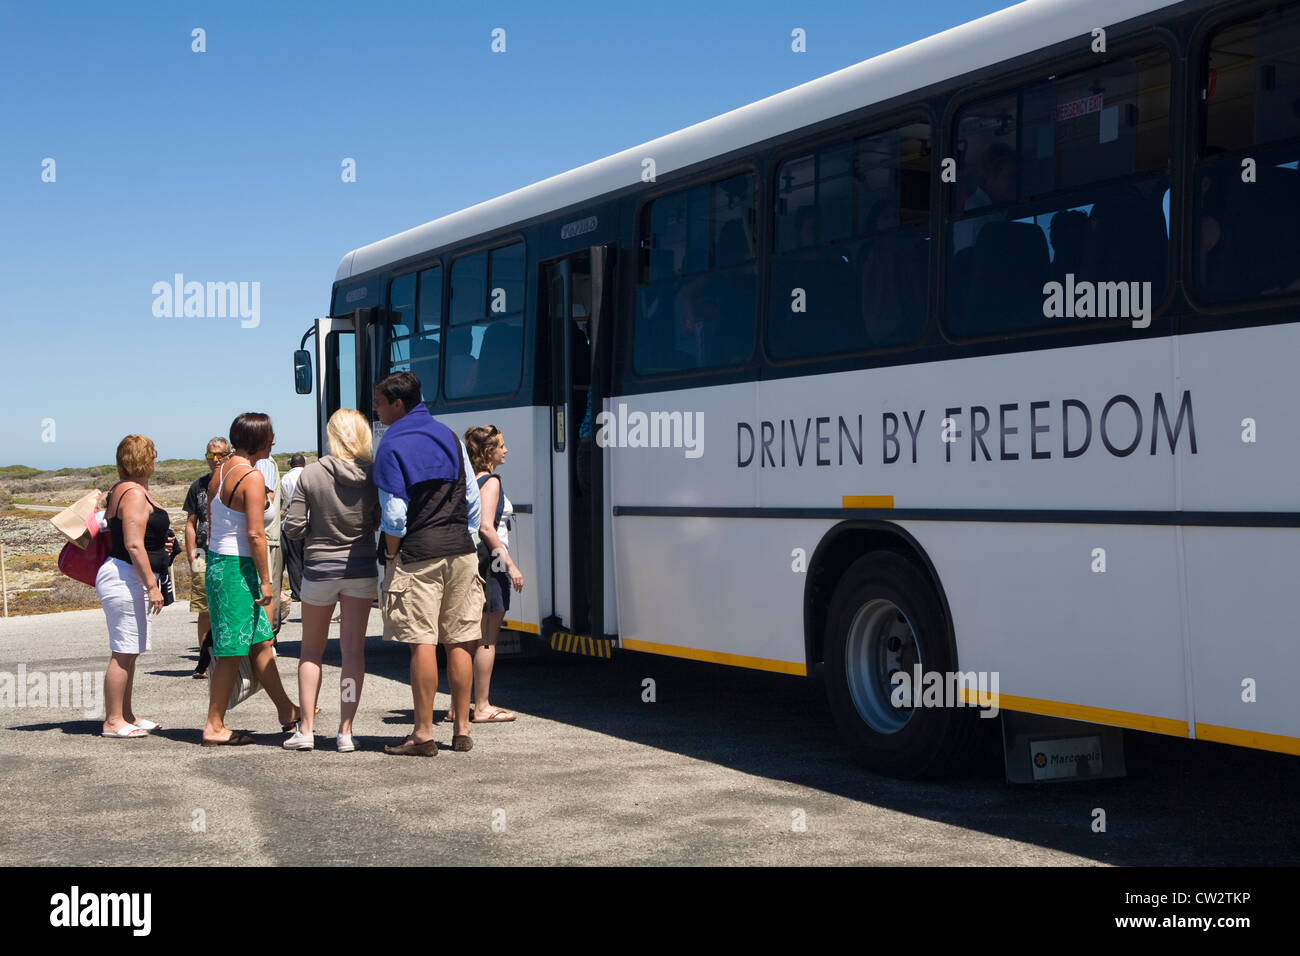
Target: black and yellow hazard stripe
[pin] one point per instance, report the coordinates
(582, 644)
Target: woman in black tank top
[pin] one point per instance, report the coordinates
(156, 529)
(127, 583)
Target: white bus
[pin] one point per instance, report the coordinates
(975, 357)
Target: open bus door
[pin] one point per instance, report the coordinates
(578, 302)
(343, 378)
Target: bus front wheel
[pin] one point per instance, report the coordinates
(885, 627)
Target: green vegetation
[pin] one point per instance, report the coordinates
(18, 471)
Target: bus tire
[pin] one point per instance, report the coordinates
(884, 617)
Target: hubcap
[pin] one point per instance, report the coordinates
(880, 644)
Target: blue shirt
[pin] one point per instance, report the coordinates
(392, 509)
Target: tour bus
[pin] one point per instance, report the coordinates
(968, 367)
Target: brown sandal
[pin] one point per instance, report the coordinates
(462, 743)
(236, 739)
(411, 748)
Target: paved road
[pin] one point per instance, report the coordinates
(711, 773)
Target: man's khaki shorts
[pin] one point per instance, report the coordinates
(198, 594)
(438, 601)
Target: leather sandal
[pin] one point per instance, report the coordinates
(411, 748)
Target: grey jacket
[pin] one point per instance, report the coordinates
(336, 508)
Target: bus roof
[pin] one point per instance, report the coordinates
(992, 39)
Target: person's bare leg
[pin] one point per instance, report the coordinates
(424, 688)
(352, 644)
(460, 680)
(116, 680)
(128, 709)
(205, 621)
(225, 671)
(315, 633)
(263, 662)
(485, 656)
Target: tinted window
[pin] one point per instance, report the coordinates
(696, 301)
(1061, 181)
(1245, 244)
(348, 297)
(485, 331)
(851, 264)
(415, 329)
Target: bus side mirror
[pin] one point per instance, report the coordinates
(302, 372)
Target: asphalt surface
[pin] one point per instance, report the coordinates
(718, 770)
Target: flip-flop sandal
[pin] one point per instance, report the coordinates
(236, 739)
(462, 743)
(495, 717)
(127, 732)
(148, 725)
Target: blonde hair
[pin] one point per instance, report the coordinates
(135, 457)
(349, 435)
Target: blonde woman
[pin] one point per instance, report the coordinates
(335, 508)
(487, 452)
(127, 583)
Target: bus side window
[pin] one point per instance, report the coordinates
(1251, 84)
(696, 303)
(850, 267)
(485, 328)
(1063, 181)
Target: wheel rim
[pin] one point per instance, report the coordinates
(880, 644)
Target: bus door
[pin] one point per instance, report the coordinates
(343, 375)
(336, 371)
(577, 292)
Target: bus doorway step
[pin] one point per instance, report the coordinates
(583, 644)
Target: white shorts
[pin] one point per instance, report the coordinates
(326, 593)
(126, 605)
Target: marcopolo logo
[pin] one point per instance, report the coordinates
(945, 689)
(210, 300)
(74, 909)
(624, 429)
(80, 690)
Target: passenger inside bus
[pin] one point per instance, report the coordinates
(462, 366)
(1071, 235)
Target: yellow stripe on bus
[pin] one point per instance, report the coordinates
(1091, 715)
(1248, 738)
(1256, 740)
(521, 626)
(717, 657)
(868, 501)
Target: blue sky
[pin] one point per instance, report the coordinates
(225, 166)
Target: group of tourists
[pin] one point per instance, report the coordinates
(412, 505)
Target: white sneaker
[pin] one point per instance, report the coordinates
(299, 740)
(345, 744)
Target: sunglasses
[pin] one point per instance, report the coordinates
(215, 456)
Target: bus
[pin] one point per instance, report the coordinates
(973, 359)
